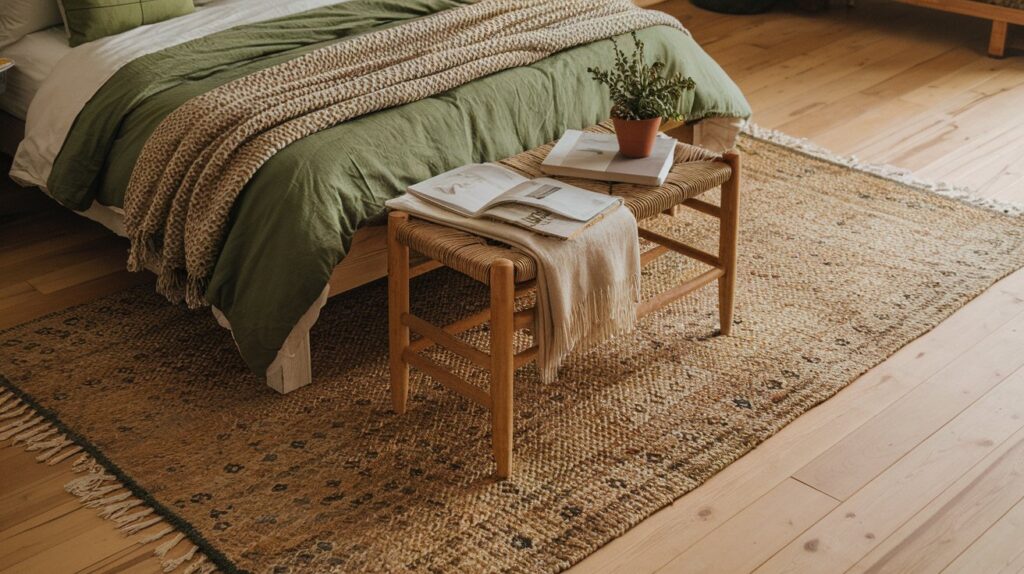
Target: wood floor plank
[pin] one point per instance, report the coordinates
(998, 550)
(934, 537)
(20, 472)
(670, 532)
(863, 454)
(842, 76)
(877, 510)
(51, 245)
(137, 559)
(843, 97)
(43, 519)
(36, 541)
(40, 495)
(966, 119)
(106, 262)
(74, 553)
(25, 307)
(45, 270)
(746, 540)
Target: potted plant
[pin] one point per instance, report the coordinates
(642, 95)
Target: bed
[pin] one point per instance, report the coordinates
(306, 226)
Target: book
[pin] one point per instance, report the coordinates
(543, 205)
(596, 156)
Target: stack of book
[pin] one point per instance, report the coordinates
(596, 156)
(543, 205)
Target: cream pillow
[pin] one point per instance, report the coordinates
(19, 18)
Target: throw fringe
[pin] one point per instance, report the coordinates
(620, 298)
(95, 487)
(884, 171)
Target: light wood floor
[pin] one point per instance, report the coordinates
(918, 466)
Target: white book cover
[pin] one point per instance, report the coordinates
(596, 156)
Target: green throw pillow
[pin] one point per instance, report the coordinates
(88, 20)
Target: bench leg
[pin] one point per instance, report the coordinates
(398, 304)
(502, 363)
(728, 235)
(997, 40)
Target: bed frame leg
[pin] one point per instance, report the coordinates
(997, 41)
(293, 368)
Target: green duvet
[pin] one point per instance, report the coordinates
(295, 221)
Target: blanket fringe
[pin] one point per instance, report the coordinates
(621, 318)
(884, 171)
(95, 487)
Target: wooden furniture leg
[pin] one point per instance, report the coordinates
(502, 362)
(398, 305)
(293, 367)
(727, 242)
(496, 266)
(997, 40)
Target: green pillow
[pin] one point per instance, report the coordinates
(88, 20)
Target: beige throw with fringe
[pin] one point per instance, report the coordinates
(202, 155)
(588, 287)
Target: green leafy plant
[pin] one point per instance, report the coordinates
(640, 91)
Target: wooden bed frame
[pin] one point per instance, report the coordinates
(366, 262)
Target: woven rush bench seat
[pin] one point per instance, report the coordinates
(464, 252)
(510, 273)
(696, 171)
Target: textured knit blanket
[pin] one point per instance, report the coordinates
(196, 163)
(588, 287)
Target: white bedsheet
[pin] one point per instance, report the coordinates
(83, 71)
(35, 57)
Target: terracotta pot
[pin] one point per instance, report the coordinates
(636, 137)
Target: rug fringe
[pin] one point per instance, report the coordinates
(13, 412)
(20, 425)
(95, 487)
(884, 171)
(166, 547)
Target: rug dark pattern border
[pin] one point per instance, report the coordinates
(180, 524)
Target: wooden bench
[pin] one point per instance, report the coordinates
(511, 274)
(1001, 17)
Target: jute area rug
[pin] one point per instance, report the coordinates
(839, 269)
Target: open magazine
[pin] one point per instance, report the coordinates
(546, 206)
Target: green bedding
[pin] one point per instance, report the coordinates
(295, 221)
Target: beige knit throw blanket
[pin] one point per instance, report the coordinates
(202, 155)
(588, 287)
